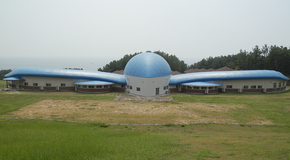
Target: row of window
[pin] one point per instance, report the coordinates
(280, 85)
(139, 89)
(47, 84)
(196, 87)
(247, 87)
(255, 86)
(63, 85)
(165, 87)
(231, 86)
(91, 86)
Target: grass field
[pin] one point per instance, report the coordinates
(93, 138)
(2, 84)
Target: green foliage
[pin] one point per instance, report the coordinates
(4, 72)
(174, 63)
(271, 58)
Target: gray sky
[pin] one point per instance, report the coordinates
(90, 33)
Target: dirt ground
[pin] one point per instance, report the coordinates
(130, 112)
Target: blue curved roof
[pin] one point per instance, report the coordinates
(147, 65)
(13, 79)
(226, 75)
(66, 73)
(93, 83)
(205, 84)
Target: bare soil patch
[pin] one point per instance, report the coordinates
(129, 112)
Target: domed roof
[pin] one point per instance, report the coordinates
(147, 65)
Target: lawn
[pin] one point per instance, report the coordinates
(2, 84)
(61, 138)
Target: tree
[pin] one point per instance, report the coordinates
(4, 72)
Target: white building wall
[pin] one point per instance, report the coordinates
(147, 85)
(239, 84)
(54, 81)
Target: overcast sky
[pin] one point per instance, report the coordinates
(90, 33)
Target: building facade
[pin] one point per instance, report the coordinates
(147, 74)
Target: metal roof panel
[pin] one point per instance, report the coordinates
(147, 65)
(226, 75)
(201, 84)
(93, 83)
(66, 73)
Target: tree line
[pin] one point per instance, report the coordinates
(267, 57)
(174, 63)
(4, 72)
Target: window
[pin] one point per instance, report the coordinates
(48, 85)
(246, 87)
(62, 84)
(91, 86)
(203, 87)
(25, 84)
(84, 86)
(279, 84)
(123, 86)
(130, 87)
(260, 87)
(164, 88)
(138, 89)
(215, 87)
(35, 84)
(157, 91)
(210, 87)
(99, 86)
(195, 87)
(274, 85)
(106, 86)
(229, 86)
(253, 87)
(188, 87)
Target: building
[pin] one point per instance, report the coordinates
(147, 74)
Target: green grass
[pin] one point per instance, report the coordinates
(2, 84)
(275, 107)
(38, 139)
(42, 139)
